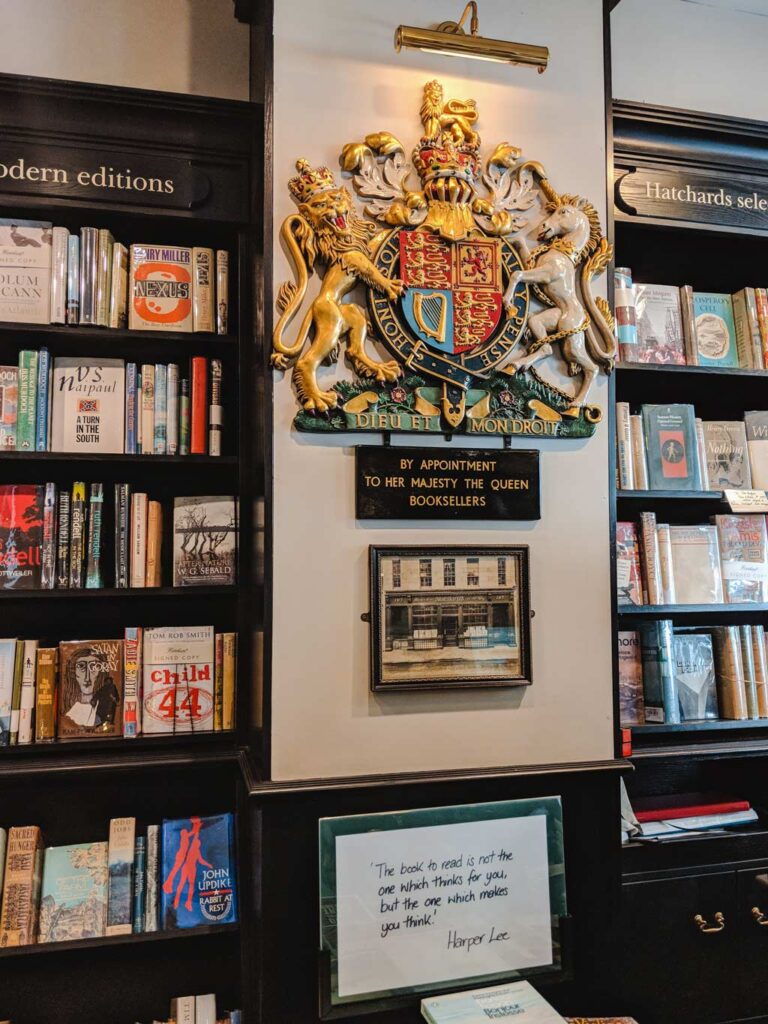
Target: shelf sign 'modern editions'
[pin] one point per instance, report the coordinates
(101, 175)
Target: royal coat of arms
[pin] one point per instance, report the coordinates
(477, 281)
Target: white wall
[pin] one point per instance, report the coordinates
(699, 54)
(337, 78)
(187, 46)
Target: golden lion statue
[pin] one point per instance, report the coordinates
(327, 229)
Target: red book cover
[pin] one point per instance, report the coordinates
(629, 580)
(685, 805)
(199, 405)
(21, 536)
(673, 457)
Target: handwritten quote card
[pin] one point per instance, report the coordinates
(438, 903)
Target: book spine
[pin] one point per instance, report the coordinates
(118, 288)
(183, 1010)
(761, 302)
(21, 887)
(77, 535)
(222, 291)
(18, 673)
(103, 276)
(761, 670)
(93, 577)
(73, 280)
(48, 569)
(153, 873)
(139, 883)
(202, 290)
(42, 398)
(701, 455)
(131, 372)
(750, 679)
(199, 405)
(651, 557)
(59, 256)
(230, 680)
(743, 331)
(639, 456)
(160, 435)
(660, 689)
(122, 850)
(665, 563)
(147, 408)
(27, 701)
(122, 534)
(689, 326)
(154, 544)
(27, 402)
(750, 299)
(62, 556)
(185, 413)
(138, 413)
(45, 695)
(218, 682)
(132, 668)
(215, 409)
(626, 314)
(731, 688)
(89, 264)
(138, 539)
(173, 410)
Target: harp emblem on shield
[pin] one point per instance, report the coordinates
(430, 311)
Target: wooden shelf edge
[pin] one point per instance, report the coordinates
(655, 611)
(718, 371)
(102, 592)
(670, 495)
(141, 460)
(82, 331)
(40, 949)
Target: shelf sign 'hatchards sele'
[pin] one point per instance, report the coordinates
(466, 304)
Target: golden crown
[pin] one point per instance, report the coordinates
(310, 180)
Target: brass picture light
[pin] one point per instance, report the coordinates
(450, 38)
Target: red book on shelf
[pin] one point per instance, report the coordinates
(685, 805)
(199, 432)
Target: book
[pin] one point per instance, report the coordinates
(698, 823)
(160, 436)
(147, 408)
(518, 1002)
(668, 592)
(662, 703)
(743, 327)
(93, 577)
(689, 325)
(18, 672)
(701, 453)
(748, 662)
(743, 544)
(7, 674)
(131, 409)
(218, 681)
(21, 536)
(59, 256)
(203, 288)
(45, 694)
(73, 903)
(183, 1010)
(73, 280)
(118, 287)
(725, 446)
(88, 405)
(205, 1009)
(731, 687)
(132, 680)
(160, 288)
(43, 400)
(9, 398)
(761, 302)
(696, 564)
(26, 411)
(694, 667)
(215, 409)
(629, 580)
(89, 272)
(63, 523)
(205, 535)
(631, 703)
(222, 291)
(761, 669)
(151, 904)
(625, 313)
(684, 805)
(199, 406)
(715, 329)
(178, 679)
(639, 457)
(77, 535)
(139, 883)
(624, 447)
(27, 701)
(153, 572)
(105, 246)
(185, 417)
(756, 425)
(198, 872)
(651, 558)
(90, 688)
(173, 409)
(48, 551)
(230, 681)
(659, 324)
(25, 274)
(139, 524)
(122, 837)
(122, 535)
(21, 886)
(670, 441)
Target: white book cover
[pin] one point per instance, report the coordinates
(178, 679)
(518, 1002)
(27, 703)
(639, 456)
(59, 256)
(756, 424)
(696, 564)
(88, 409)
(7, 669)
(183, 1010)
(138, 550)
(624, 447)
(25, 274)
(205, 1009)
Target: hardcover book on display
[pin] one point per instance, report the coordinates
(743, 557)
(21, 536)
(756, 424)
(90, 688)
(727, 459)
(204, 541)
(696, 564)
(715, 329)
(198, 884)
(670, 437)
(178, 679)
(21, 886)
(88, 405)
(694, 667)
(518, 1002)
(631, 702)
(160, 288)
(73, 902)
(629, 581)
(25, 273)
(659, 325)
(659, 683)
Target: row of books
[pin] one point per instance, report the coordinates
(179, 874)
(664, 817)
(53, 538)
(724, 562)
(669, 675)
(667, 447)
(162, 680)
(105, 406)
(660, 323)
(52, 276)
(199, 1010)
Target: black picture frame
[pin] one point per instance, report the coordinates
(474, 621)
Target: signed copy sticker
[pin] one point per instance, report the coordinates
(424, 904)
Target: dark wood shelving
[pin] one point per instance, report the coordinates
(112, 334)
(710, 371)
(710, 725)
(41, 949)
(674, 611)
(670, 496)
(139, 460)
(131, 592)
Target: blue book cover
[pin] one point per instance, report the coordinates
(131, 374)
(73, 903)
(139, 884)
(715, 329)
(73, 280)
(161, 409)
(198, 872)
(42, 416)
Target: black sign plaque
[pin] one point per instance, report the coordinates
(432, 483)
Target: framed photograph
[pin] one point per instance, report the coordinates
(445, 617)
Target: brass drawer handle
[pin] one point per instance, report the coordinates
(708, 929)
(759, 917)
